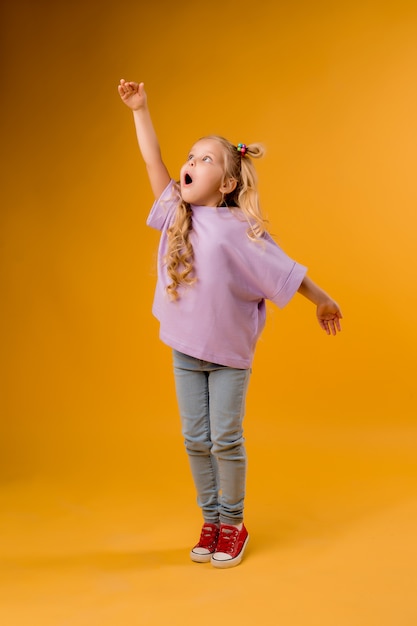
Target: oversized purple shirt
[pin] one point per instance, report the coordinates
(221, 316)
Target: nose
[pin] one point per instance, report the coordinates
(191, 161)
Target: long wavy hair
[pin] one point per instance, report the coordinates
(244, 199)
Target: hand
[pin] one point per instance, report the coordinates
(133, 94)
(329, 316)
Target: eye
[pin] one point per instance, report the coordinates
(207, 159)
(190, 156)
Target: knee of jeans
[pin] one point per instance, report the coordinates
(232, 450)
(198, 447)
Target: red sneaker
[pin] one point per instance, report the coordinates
(230, 546)
(201, 553)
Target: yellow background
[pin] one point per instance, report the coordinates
(87, 397)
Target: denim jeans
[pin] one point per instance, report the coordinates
(211, 400)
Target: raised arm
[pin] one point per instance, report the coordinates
(134, 96)
(328, 312)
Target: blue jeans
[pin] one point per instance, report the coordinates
(211, 400)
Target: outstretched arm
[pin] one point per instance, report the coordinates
(134, 96)
(328, 312)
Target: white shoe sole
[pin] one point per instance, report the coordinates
(200, 558)
(223, 564)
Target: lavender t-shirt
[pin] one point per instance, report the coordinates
(221, 316)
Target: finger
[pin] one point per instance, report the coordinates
(124, 86)
(325, 326)
(329, 326)
(335, 325)
(125, 90)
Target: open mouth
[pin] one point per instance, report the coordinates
(187, 179)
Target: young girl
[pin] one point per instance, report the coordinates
(216, 266)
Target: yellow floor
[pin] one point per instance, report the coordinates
(332, 518)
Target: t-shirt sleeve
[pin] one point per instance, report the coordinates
(290, 286)
(164, 207)
(277, 276)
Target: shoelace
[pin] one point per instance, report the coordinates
(208, 536)
(227, 539)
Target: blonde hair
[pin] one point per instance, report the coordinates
(245, 198)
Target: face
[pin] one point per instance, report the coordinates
(202, 176)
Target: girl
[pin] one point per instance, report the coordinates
(216, 266)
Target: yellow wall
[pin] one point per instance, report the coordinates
(328, 87)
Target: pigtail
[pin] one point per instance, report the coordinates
(180, 254)
(248, 196)
(245, 196)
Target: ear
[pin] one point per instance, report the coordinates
(229, 185)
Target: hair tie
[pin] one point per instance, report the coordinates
(241, 147)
